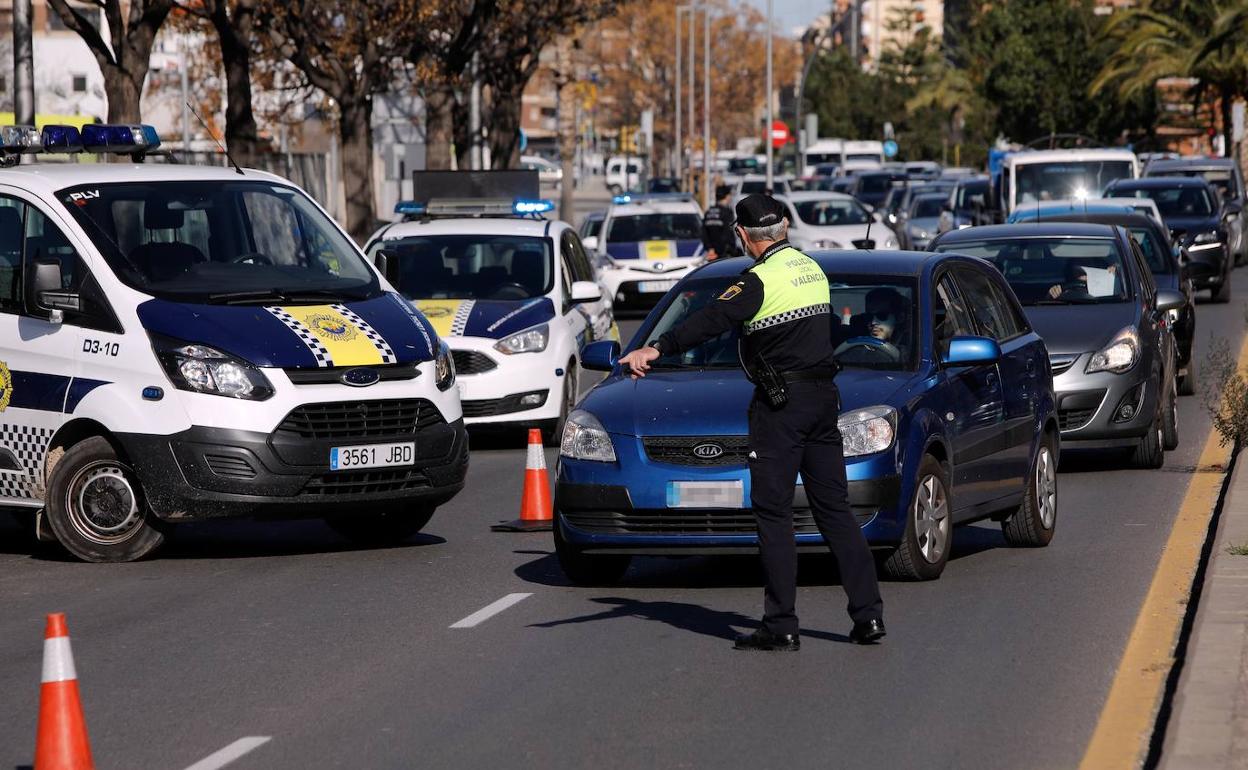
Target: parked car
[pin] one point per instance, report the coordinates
(1227, 179)
(947, 420)
(924, 170)
(825, 220)
(1087, 291)
(922, 220)
(970, 199)
(1197, 216)
(547, 171)
(1169, 264)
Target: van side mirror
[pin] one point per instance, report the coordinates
(585, 291)
(600, 356)
(46, 288)
(971, 351)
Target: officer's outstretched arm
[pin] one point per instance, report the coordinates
(736, 305)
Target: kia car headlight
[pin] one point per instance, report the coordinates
(204, 369)
(444, 368)
(528, 341)
(584, 438)
(867, 431)
(1122, 353)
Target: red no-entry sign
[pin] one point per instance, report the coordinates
(780, 135)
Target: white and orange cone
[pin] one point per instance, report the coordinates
(61, 743)
(535, 508)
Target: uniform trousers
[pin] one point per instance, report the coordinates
(803, 436)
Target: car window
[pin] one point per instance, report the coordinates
(1052, 270)
(654, 227)
(988, 305)
(1147, 283)
(1176, 201)
(581, 267)
(827, 213)
(12, 224)
(1155, 252)
(44, 241)
(927, 208)
(950, 317)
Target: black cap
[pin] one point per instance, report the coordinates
(757, 210)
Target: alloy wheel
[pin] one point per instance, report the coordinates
(1046, 488)
(931, 519)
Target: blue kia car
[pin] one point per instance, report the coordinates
(947, 416)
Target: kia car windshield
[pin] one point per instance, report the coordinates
(874, 326)
(220, 242)
(1067, 179)
(504, 267)
(830, 213)
(1053, 271)
(654, 227)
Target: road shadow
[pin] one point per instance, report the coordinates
(1093, 461)
(249, 539)
(692, 618)
(494, 439)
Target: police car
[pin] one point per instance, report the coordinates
(181, 342)
(513, 293)
(647, 244)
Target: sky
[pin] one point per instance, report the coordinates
(793, 13)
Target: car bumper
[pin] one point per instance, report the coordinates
(497, 389)
(635, 288)
(208, 472)
(1090, 407)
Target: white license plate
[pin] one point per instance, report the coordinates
(650, 287)
(342, 458)
(705, 494)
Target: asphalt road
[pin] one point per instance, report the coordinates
(345, 657)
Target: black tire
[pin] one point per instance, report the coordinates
(1170, 417)
(552, 432)
(922, 556)
(96, 507)
(1151, 452)
(1222, 294)
(585, 569)
(389, 528)
(1187, 383)
(1033, 524)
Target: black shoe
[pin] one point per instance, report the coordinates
(867, 632)
(762, 639)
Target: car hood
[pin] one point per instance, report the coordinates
(385, 329)
(492, 319)
(1192, 225)
(1079, 328)
(654, 249)
(695, 402)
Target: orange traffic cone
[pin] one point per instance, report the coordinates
(62, 740)
(535, 508)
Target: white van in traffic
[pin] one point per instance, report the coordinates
(1035, 176)
(623, 174)
(182, 342)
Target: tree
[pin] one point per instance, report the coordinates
(442, 71)
(350, 51)
(125, 57)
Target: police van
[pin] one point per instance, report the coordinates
(182, 342)
(512, 292)
(647, 244)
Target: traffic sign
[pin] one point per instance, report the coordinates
(890, 149)
(780, 135)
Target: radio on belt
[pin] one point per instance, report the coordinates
(182, 342)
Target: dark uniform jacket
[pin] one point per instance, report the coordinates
(717, 232)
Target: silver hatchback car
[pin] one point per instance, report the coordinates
(1087, 290)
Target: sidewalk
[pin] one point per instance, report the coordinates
(1208, 726)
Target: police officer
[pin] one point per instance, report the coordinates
(782, 304)
(717, 234)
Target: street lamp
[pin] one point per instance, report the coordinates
(770, 117)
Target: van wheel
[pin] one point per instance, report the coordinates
(1150, 452)
(1034, 521)
(96, 507)
(924, 548)
(389, 528)
(1170, 417)
(589, 570)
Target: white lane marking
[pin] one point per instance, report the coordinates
(490, 610)
(230, 753)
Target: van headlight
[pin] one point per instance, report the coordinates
(444, 368)
(867, 431)
(584, 438)
(528, 341)
(204, 369)
(1122, 352)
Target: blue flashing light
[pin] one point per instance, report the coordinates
(539, 206)
(410, 208)
(620, 200)
(61, 139)
(117, 138)
(150, 137)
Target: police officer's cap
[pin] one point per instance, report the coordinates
(757, 210)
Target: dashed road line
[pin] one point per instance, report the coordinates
(230, 753)
(490, 610)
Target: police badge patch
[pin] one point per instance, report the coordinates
(732, 291)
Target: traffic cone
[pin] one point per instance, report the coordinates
(535, 508)
(62, 740)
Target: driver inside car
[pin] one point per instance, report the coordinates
(883, 321)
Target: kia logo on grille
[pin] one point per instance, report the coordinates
(708, 451)
(360, 378)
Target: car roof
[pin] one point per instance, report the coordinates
(51, 177)
(1158, 183)
(858, 262)
(1025, 157)
(815, 195)
(653, 207)
(469, 225)
(1032, 229)
(1053, 208)
(1195, 164)
(1124, 217)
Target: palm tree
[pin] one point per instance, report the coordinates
(1174, 38)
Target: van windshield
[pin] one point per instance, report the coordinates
(218, 241)
(654, 227)
(471, 266)
(1061, 180)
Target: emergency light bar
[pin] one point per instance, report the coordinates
(620, 200)
(474, 207)
(129, 140)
